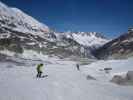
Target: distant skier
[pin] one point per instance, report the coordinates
(77, 65)
(39, 70)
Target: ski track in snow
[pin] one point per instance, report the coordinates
(63, 83)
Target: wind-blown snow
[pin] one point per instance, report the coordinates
(63, 83)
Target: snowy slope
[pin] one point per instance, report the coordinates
(119, 67)
(15, 19)
(63, 83)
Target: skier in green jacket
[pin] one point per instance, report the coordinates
(39, 70)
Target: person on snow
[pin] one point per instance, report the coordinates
(77, 65)
(39, 70)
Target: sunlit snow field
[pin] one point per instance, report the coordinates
(64, 82)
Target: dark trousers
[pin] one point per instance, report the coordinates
(39, 74)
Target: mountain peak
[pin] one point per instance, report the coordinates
(87, 39)
(91, 34)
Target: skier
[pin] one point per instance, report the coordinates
(39, 70)
(77, 65)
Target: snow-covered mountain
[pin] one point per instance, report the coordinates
(121, 47)
(15, 19)
(19, 32)
(88, 39)
(81, 43)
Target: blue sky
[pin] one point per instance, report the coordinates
(111, 17)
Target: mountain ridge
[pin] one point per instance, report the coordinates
(120, 47)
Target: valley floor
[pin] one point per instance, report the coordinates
(64, 82)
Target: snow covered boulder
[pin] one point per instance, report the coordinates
(118, 80)
(88, 77)
(123, 79)
(129, 75)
